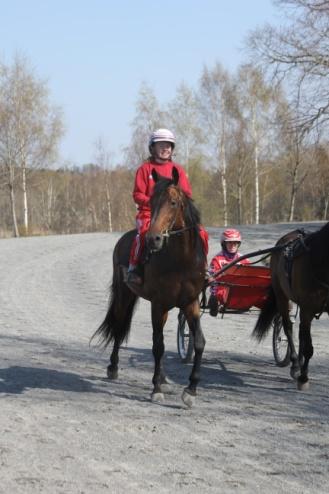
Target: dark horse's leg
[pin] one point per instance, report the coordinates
(159, 318)
(305, 349)
(192, 314)
(283, 307)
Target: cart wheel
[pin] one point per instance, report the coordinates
(281, 349)
(185, 343)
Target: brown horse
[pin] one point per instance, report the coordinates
(304, 279)
(174, 274)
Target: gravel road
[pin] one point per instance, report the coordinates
(66, 429)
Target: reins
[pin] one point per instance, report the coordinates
(255, 253)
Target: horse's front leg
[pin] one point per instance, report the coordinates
(192, 314)
(159, 318)
(305, 350)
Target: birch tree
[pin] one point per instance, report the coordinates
(294, 152)
(30, 128)
(215, 106)
(255, 98)
(103, 160)
(184, 121)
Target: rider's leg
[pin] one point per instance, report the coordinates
(135, 272)
(204, 237)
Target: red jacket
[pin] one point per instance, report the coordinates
(219, 261)
(144, 182)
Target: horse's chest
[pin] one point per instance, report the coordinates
(174, 291)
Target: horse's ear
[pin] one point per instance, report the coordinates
(155, 175)
(175, 175)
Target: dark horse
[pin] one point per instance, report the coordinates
(174, 275)
(305, 282)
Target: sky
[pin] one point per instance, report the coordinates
(96, 54)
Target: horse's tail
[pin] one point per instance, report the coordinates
(266, 316)
(117, 322)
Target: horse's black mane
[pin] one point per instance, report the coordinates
(191, 212)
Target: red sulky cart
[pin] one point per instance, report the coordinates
(247, 288)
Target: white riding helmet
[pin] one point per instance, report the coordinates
(231, 235)
(162, 135)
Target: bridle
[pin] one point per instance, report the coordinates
(171, 230)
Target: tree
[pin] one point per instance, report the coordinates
(293, 152)
(321, 172)
(148, 118)
(215, 105)
(298, 52)
(30, 128)
(103, 160)
(255, 98)
(184, 116)
(241, 152)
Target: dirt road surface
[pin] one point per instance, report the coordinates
(66, 429)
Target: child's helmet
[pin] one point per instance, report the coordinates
(162, 135)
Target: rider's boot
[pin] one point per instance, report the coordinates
(134, 274)
(213, 305)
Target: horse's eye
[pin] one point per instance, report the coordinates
(173, 203)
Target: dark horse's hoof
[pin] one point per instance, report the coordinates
(303, 384)
(112, 373)
(188, 397)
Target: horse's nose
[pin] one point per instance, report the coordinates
(155, 241)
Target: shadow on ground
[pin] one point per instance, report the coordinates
(16, 379)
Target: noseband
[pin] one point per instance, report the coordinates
(169, 233)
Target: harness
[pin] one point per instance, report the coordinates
(294, 249)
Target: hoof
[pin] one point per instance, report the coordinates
(188, 398)
(295, 372)
(157, 397)
(165, 388)
(112, 373)
(303, 386)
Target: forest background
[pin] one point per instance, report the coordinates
(254, 142)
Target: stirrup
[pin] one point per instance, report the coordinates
(134, 275)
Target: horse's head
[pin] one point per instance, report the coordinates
(167, 210)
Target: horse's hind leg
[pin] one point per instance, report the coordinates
(119, 321)
(192, 314)
(288, 326)
(112, 368)
(283, 307)
(305, 350)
